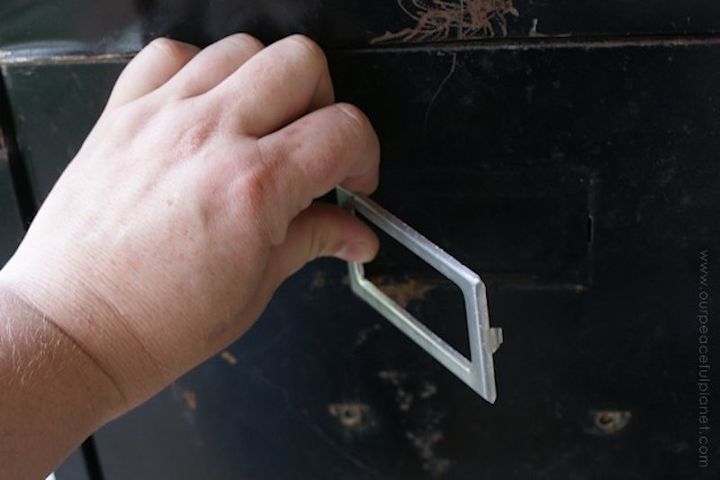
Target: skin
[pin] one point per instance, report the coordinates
(189, 203)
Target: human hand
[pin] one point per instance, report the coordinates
(190, 202)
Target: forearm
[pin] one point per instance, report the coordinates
(52, 396)
(188, 204)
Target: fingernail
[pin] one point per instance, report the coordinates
(356, 252)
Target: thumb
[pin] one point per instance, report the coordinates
(322, 230)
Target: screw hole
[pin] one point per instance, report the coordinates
(604, 419)
(609, 422)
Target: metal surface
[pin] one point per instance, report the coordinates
(479, 372)
(519, 151)
(579, 174)
(12, 216)
(31, 27)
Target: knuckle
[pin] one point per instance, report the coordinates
(261, 176)
(356, 116)
(359, 124)
(129, 117)
(246, 41)
(316, 245)
(255, 188)
(169, 47)
(257, 191)
(267, 185)
(361, 136)
(309, 46)
(195, 138)
(320, 234)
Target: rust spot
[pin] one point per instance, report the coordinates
(190, 398)
(441, 20)
(608, 422)
(403, 397)
(229, 358)
(403, 292)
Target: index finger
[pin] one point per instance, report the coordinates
(336, 145)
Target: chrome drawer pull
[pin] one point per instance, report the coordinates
(479, 372)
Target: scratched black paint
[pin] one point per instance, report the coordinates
(111, 26)
(502, 156)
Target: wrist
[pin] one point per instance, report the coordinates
(52, 394)
(78, 303)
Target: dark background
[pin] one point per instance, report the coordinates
(567, 154)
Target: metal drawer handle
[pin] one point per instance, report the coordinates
(479, 372)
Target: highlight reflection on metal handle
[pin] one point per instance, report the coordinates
(479, 372)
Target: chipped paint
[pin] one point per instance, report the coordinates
(442, 20)
(425, 444)
(319, 280)
(392, 376)
(190, 399)
(363, 334)
(429, 390)
(427, 434)
(403, 397)
(229, 358)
